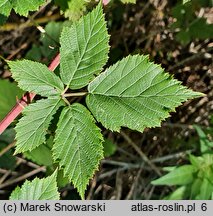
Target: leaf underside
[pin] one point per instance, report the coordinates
(78, 145)
(32, 127)
(38, 189)
(84, 49)
(36, 77)
(135, 93)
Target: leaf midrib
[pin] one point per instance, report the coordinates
(84, 51)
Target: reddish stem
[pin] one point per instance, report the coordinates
(24, 101)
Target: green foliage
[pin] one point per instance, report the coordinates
(42, 159)
(109, 148)
(35, 77)
(7, 136)
(7, 160)
(134, 92)
(62, 3)
(128, 1)
(190, 26)
(206, 145)
(73, 9)
(5, 8)
(179, 176)
(123, 1)
(178, 194)
(48, 46)
(76, 8)
(185, 1)
(86, 41)
(38, 189)
(9, 92)
(195, 179)
(32, 128)
(21, 7)
(78, 145)
(48, 43)
(147, 97)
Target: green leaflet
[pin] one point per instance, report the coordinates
(78, 145)
(48, 45)
(84, 49)
(32, 128)
(180, 176)
(38, 189)
(36, 77)
(5, 7)
(135, 93)
(21, 7)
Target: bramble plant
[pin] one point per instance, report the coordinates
(133, 93)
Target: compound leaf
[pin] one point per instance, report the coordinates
(84, 49)
(135, 93)
(36, 77)
(78, 145)
(38, 189)
(32, 128)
